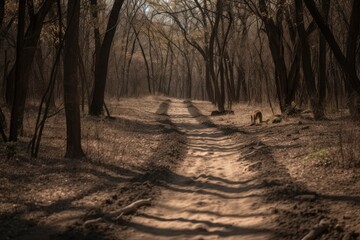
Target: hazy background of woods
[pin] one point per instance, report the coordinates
(76, 55)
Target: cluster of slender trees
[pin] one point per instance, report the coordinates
(80, 53)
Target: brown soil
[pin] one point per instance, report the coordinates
(209, 177)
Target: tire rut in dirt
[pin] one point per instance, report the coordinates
(206, 185)
(301, 215)
(166, 157)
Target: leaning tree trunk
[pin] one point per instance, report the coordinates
(348, 62)
(102, 60)
(71, 92)
(352, 80)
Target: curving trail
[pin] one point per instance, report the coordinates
(210, 196)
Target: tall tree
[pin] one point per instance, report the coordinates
(20, 88)
(309, 77)
(71, 91)
(2, 12)
(102, 60)
(286, 81)
(347, 62)
(31, 40)
(322, 80)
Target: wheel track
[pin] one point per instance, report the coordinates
(210, 196)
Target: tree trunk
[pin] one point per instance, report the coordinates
(31, 40)
(71, 91)
(20, 87)
(210, 57)
(316, 105)
(351, 79)
(275, 38)
(2, 12)
(170, 70)
(102, 60)
(322, 55)
(241, 87)
(353, 34)
(208, 84)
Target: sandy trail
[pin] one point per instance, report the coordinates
(210, 196)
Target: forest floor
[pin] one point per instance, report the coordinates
(202, 177)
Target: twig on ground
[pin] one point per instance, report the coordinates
(123, 211)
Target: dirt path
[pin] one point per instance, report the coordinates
(210, 196)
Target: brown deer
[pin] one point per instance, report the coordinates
(257, 117)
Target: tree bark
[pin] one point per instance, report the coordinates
(102, 60)
(275, 38)
(351, 76)
(20, 88)
(322, 83)
(71, 91)
(316, 105)
(31, 40)
(353, 34)
(2, 12)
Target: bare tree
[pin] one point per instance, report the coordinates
(346, 61)
(31, 40)
(20, 84)
(316, 104)
(71, 92)
(102, 60)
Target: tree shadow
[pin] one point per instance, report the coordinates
(200, 228)
(341, 198)
(279, 185)
(129, 184)
(201, 118)
(14, 227)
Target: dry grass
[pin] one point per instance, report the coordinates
(348, 150)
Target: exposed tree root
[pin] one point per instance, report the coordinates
(317, 231)
(123, 211)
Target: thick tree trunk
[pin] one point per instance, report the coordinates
(71, 91)
(210, 57)
(20, 87)
(275, 38)
(102, 60)
(316, 105)
(31, 40)
(94, 13)
(353, 34)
